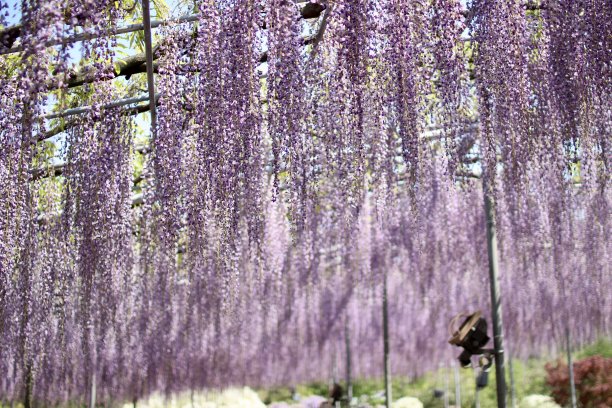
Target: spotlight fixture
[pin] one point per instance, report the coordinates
(471, 336)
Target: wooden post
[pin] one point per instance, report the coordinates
(570, 367)
(386, 362)
(496, 307)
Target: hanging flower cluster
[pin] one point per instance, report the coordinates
(296, 169)
(286, 115)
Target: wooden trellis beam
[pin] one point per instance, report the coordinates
(134, 64)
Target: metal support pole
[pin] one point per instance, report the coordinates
(146, 22)
(386, 344)
(446, 388)
(477, 393)
(121, 30)
(570, 368)
(27, 400)
(92, 401)
(84, 109)
(512, 382)
(496, 308)
(349, 383)
(457, 385)
(25, 282)
(334, 369)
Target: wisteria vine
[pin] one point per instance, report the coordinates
(296, 164)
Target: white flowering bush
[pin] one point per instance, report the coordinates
(538, 401)
(230, 398)
(312, 401)
(407, 402)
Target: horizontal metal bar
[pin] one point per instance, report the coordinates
(85, 109)
(123, 30)
(308, 10)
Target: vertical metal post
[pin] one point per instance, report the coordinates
(92, 397)
(349, 383)
(457, 385)
(512, 382)
(334, 368)
(477, 393)
(148, 37)
(446, 388)
(570, 367)
(386, 344)
(496, 308)
(25, 282)
(27, 400)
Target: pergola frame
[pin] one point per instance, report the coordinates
(146, 63)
